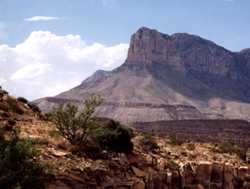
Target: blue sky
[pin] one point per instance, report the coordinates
(112, 21)
(77, 37)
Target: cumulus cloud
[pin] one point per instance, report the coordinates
(41, 18)
(46, 64)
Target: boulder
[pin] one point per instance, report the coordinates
(138, 172)
(217, 173)
(229, 175)
(188, 175)
(138, 184)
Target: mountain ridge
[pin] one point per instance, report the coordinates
(209, 81)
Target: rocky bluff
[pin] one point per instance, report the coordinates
(169, 77)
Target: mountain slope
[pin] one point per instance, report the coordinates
(169, 77)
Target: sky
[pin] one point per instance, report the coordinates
(49, 46)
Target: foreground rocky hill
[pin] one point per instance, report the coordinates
(169, 77)
(156, 162)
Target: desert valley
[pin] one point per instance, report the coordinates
(110, 94)
(177, 94)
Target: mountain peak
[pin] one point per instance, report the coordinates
(144, 44)
(151, 46)
(146, 30)
(185, 77)
(180, 51)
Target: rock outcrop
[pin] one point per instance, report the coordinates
(167, 167)
(169, 77)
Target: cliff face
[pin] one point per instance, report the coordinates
(169, 77)
(182, 52)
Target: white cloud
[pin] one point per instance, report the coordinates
(2, 81)
(41, 18)
(46, 64)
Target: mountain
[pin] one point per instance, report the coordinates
(169, 77)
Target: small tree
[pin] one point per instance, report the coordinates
(23, 100)
(19, 166)
(149, 143)
(73, 122)
(113, 137)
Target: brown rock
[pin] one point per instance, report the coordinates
(176, 180)
(161, 164)
(203, 171)
(217, 173)
(139, 184)
(138, 172)
(229, 175)
(203, 174)
(188, 175)
(216, 186)
(243, 171)
(58, 153)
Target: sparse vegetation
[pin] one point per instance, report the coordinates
(23, 100)
(34, 107)
(10, 123)
(191, 146)
(227, 147)
(149, 143)
(113, 137)
(4, 114)
(13, 106)
(55, 134)
(18, 166)
(174, 140)
(78, 126)
(74, 123)
(247, 177)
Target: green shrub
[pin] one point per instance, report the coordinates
(4, 114)
(10, 123)
(191, 146)
(247, 177)
(13, 106)
(55, 134)
(91, 149)
(227, 147)
(72, 122)
(174, 140)
(38, 141)
(34, 107)
(149, 143)
(18, 167)
(113, 137)
(23, 100)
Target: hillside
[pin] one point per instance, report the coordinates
(156, 162)
(169, 77)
